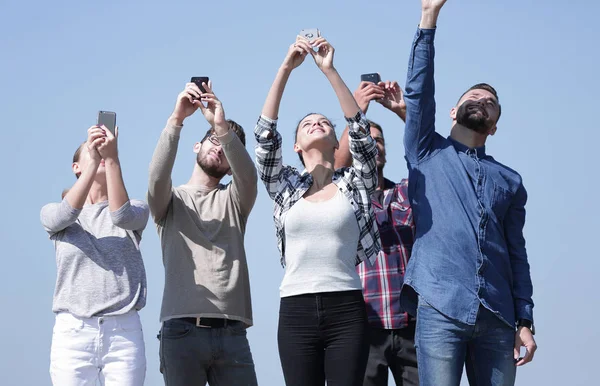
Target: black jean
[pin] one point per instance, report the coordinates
(394, 350)
(323, 336)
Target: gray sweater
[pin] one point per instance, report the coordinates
(99, 265)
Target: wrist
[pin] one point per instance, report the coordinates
(175, 120)
(331, 71)
(429, 18)
(525, 323)
(285, 69)
(111, 161)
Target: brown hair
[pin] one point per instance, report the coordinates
(298, 127)
(77, 156)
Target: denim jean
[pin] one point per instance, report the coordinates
(106, 349)
(323, 336)
(444, 345)
(191, 355)
(392, 350)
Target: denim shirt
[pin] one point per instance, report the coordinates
(469, 211)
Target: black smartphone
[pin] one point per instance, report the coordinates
(198, 80)
(108, 119)
(374, 78)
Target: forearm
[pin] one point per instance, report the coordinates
(420, 97)
(273, 101)
(161, 167)
(429, 17)
(343, 93)
(117, 194)
(77, 195)
(363, 150)
(243, 170)
(343, 157)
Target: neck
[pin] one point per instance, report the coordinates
(320, 166)
(467, 137)
(98, 193)
(200, 178)
(380, 179)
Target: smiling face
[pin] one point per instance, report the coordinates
(315, 131)
(478, 110)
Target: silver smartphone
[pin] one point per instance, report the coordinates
(108, 119)
(310, 34)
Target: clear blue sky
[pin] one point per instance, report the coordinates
(61, 62)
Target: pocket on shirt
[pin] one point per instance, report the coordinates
(501, 201)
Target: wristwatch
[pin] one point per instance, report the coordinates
(526, 323)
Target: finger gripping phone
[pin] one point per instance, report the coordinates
(108, 119)
(198, 80)
(373, 78)
(310, 34)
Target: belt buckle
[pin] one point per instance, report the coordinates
(198, 320)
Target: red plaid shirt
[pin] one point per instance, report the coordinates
(382, 281)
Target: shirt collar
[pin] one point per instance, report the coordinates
(465, 149)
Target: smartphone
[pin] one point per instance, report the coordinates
(374, 78)
(310, 34)
(198, 80)
(108, 119)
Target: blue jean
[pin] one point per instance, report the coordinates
(445, 345)
(191, 355)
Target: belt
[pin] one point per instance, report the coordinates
(209, 322)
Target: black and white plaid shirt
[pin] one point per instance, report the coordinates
(286, 185)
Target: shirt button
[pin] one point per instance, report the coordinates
(101, 321)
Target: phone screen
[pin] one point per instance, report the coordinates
(108, 119)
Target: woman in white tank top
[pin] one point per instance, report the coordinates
(325, 227)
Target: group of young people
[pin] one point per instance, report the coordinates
(420, 277)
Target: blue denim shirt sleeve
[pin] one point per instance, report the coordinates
(513, 229)
(420, 97)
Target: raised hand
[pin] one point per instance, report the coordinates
(393, 99)
(366, 92)
(96, 137)
(108, 148)
(324, 56)
(187, 103)
(430, 10)
(213, 111)
(296, 54)
(432, 4)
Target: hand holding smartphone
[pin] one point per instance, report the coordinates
(108, 119)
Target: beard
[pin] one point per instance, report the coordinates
(208, 168)
(475, 119)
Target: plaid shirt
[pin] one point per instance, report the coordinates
(383, 280)
(286, 185)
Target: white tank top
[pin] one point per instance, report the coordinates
(321, 239)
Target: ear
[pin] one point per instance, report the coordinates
(336, 146)
(197, 147)
(493, 130)
(76, 168)
(453, 113)
(297, 148)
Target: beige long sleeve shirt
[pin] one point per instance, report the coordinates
(202, 234)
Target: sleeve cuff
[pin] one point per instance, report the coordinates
(173, 130)
(227, 137)
(119, 213)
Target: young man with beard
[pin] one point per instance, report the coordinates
(392, 335)
(468, 277)
(206, 304)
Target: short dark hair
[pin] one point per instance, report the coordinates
(488, 88)
(234, 126)
(77, 155)
(298, 127)
(375, 125)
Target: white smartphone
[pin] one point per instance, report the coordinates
(310, 34)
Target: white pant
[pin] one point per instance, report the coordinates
(109, 349)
